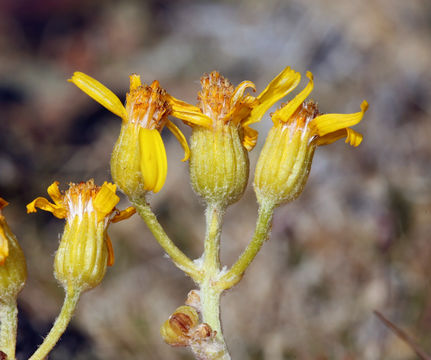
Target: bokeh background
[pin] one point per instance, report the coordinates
(358, 238)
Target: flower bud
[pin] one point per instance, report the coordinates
(85, 249)
(283, 166)
(13, 270)
(221, 136)
(138, 161)
(284, 163)
(219, 165)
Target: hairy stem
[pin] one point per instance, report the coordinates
(181, 260)
(8, 320)
(60, 325)
(210, 294)
(263, 226)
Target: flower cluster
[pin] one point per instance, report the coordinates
(220, 142)
(221, 136)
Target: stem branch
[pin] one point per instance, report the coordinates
(263, 226)
(210, 294)
(60, 325)
(181, 260)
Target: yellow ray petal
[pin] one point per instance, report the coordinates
(250, 138)
(44, 204)
(279, 87)
(328, 123)
(105, 200)
(135, 82)
(124, 214)
(189, 113)
(154, 164)
(239, 91)
(55, 194)
(287, 111)
(111, 257)
(180, 137)
(100, 93)
(352, 137)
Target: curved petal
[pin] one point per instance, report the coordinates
(329, 123)
(352, 137)
(241, 110)
(123, 214)
(279, 87)
(44, 204)
(100, 93)
(105, 200)
(180, 137)
(287, 111)
(250, 138)
(55, 194)
(239, 92)
(154, 164)
(188, 113)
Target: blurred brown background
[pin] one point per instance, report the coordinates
(358, 239)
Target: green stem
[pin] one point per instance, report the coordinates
(181, 260)
(8, 320)
(263, 226)
(60, 325)
(210, 294)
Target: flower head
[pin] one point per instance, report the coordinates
(321, 129)
(138, 162)
(284, 163)
(85, 248)
(13, 270)
(220, 103)
(221, 139)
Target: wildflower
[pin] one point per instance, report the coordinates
(219, 164)
(85, 248)
(138, 162)
(13, 270)
(284, 163)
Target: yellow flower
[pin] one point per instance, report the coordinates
(323, 129)
(284, 163)
(221, 104)
(138, 162)
(221, 136)
(85, 248)
(13, 270)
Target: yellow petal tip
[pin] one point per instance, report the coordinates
(364, 105)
